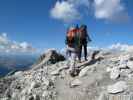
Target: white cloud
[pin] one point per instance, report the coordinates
(3, 39)
(65, 11)
(69, 10)
(121, 47)
(9, 46)
(109, 10)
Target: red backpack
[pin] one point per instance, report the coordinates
(71, 34)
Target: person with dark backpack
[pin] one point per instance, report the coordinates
(83, 40)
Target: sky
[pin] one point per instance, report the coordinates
(42, 24)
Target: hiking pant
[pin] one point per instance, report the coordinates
(72, 61)
(71, 57)
(80, 51)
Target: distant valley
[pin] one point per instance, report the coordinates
(14, 62)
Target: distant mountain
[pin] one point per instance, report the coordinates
(13, 62)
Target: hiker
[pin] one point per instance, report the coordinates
(83, 40)
(71, 43)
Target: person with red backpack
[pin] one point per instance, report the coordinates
(72, 46)
(71, 40)
(83, 40)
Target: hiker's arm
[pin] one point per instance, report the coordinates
(66, 40)
(88, 37)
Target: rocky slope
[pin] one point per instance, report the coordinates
(108, 76)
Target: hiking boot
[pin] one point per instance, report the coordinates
(86, 59)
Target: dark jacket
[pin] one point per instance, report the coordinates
(84, 39)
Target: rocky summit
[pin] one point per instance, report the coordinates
(107, 76)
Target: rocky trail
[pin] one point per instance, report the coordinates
(105, 76)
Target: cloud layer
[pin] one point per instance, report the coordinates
(121, 47)
(70, 10)
(9, 46)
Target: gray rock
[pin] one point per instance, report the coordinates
(118, 87)
(75, 82)
(108, 69)
(55, 72)
(19, 73)
(115, 73)
(84, 71)
(122, 66)
(130, 64)
(102, 96)
(45, 94)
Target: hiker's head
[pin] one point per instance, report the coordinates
(83, 26)
(71, 28)
(77, 26)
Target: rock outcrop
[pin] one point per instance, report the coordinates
(49, 57)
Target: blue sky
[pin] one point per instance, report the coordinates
(32, 21)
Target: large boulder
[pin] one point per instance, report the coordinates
(118, 87)
(130, 64)
(52, 57)
(75, 83)
(49, 57)
(115, 73)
